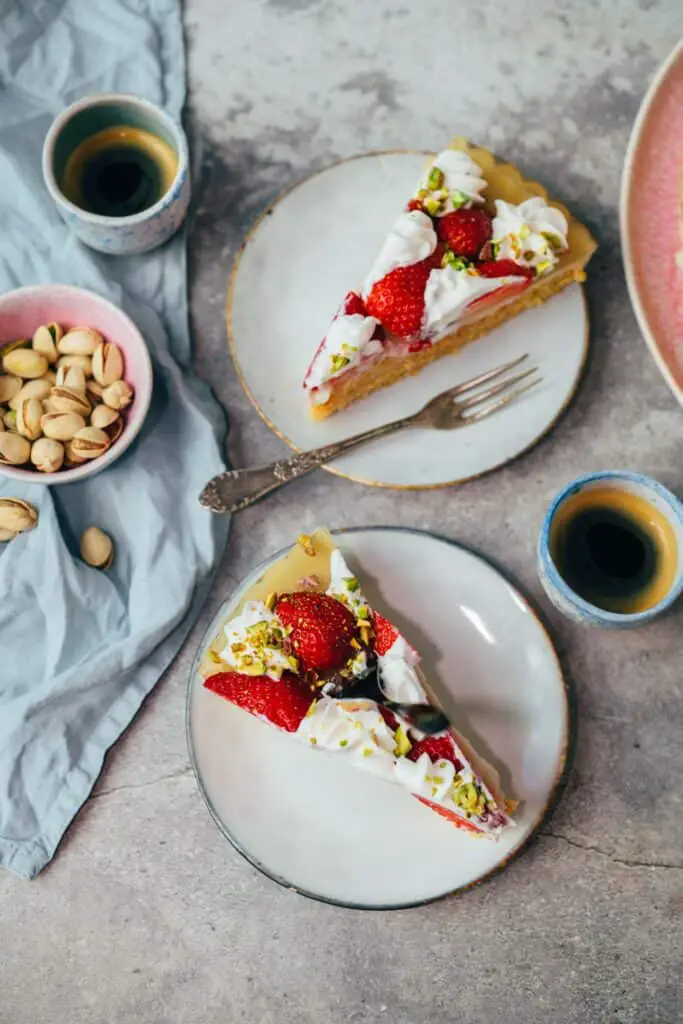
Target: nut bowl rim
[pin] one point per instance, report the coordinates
(138, 409)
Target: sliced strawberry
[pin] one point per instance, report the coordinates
(503, 268)
(439, 748)
(397, 300)
(414, 204)
(322, 629)
(283, 702)
(353, 304)
(465, 231)
(385, 634)
(451, 816)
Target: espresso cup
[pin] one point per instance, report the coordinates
(130, 203)
(610, 552)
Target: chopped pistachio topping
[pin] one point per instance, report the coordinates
(435, 178)
(403, 744)
(271, 601)
(313, 741)
(367, 752)
(338, 362)
(432, 206)
(553, 240)
(355, 644)
(362, 612)
(351, 583)
(215, 657)
(343, 743)
(524, 231)
(542, 267)
(458, 199)
(468, 796)
(306, 543)
(449, 259)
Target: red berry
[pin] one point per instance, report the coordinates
(385, 634)
(465, 231)
(353, 304)
(439, 748)
(503, 268)
(397, 301)
(284, 702)
(322, 629)
(413, 204)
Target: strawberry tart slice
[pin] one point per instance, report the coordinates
(476, 245)
(307, 654)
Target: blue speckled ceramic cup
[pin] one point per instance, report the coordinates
(563, 596)
(121, 235)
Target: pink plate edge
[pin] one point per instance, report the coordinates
(656, 313)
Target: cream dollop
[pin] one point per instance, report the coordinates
(412, 238)
(346, 587)
(398, 676)
(347, 343)
(463, 181)
(532, 233)
(448, 294)
(256, 651)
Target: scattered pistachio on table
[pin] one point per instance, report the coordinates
(97, 548)
(62, 393)
(16, 516)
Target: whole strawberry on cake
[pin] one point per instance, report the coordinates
(307, 654)
(476, 245)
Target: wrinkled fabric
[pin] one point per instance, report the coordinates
(80, 649)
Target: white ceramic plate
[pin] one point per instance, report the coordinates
(653, 168)
(296, 265)
(335, 833)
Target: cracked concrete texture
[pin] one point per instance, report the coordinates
(147, 914)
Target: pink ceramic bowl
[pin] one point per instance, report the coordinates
(24, 310)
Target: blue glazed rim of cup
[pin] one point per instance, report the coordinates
(111, 99)
(592, 611)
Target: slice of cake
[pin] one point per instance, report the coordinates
(307, 654)
(476, 245)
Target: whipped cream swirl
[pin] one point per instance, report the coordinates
(398, 676)
(347, 343)
(412, 238)
(462, 181)
(532, 233)
(448, 294)
(255, 642)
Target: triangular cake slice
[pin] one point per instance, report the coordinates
(305, 652)
(476, 245)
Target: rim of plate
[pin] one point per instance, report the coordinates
(625, 219)
(283, 437)
(561, 775)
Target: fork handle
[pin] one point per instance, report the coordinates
(238, 488)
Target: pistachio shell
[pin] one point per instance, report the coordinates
(103, 417)
(29, 415)
(10, 346)
(50, 377)
(9, 387)
(115, 430)
(97, 548)
(61, 426)
(93, 389)
(118, 395)
(63, 399)
(73, 360)
(24, 362)
(47, 455)
(16, 516)
(89, 443)
(44, 342)
(79, 341)
(39, 389)
(74, 378)
(107, 364)
(72, 458)
(14, 449)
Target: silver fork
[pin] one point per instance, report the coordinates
(457, 407)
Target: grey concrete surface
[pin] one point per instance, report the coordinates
(147, 915)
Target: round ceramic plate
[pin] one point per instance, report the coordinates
(333, 832)
(652, 219)
(296, 265)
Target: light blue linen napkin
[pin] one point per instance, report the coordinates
(80, 649)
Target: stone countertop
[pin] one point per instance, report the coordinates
(147, 914)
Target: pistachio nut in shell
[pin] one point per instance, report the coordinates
(103, 417)
(47, 455)
(93, 389)
(39, 389)
(44, 342)
(79, 341)
(118, 395)
(73, 378)
(9, 346)
(15, 450)
(115, 430)
(97, 548)
(24, 362)
(29, 415)
(64, 399)
(17, 516)
(107, 364)
(61, 426)
(83, 361)
(9, 387)
(90, 443)
(50, 377)
(72, 458)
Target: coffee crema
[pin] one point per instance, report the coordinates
(614, 549)
(119, 171)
